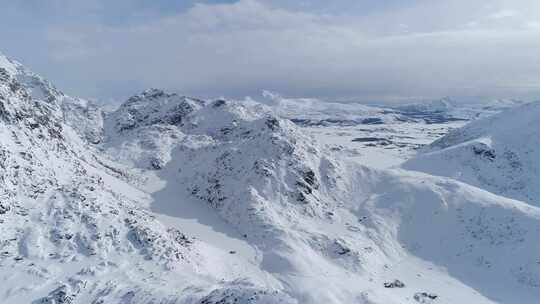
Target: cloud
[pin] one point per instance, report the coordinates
(505, 13)
(413, 49)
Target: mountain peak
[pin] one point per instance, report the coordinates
(149, 95)
(151, 107)
(8, 65)
(38, 87)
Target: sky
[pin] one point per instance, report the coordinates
(365, 50)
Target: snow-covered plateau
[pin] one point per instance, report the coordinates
(172, 199)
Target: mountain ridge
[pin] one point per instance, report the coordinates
(171, 199)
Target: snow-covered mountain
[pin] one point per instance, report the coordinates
(73, 228)
(83, 116)
(190, 201)
(310, 215)
(315, 112)
(498, 153)
(449, 109)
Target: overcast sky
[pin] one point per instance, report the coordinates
(368, 50)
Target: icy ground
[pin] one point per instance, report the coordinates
(380, 146)
(171, 199)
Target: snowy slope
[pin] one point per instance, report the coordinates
(315, 112)
(145, 128)
(450, 109)
(311, 217)
(189, 201)
(83, 116)
(499, 153)
(73, 230)
(381, 135)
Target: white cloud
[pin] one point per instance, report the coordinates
(505, 13)
(428, 49)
